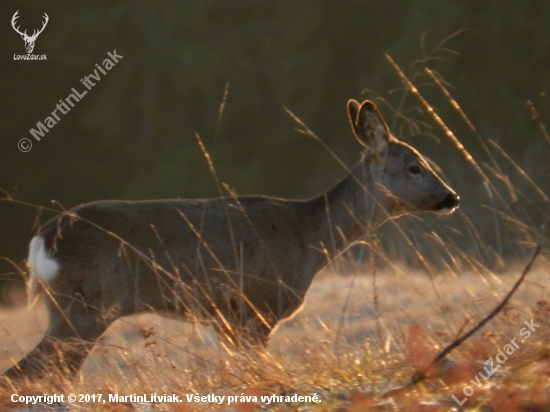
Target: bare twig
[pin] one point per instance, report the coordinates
(424, 373)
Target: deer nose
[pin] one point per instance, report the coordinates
(454, 199)
(451, 201)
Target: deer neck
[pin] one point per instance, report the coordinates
(347, 212)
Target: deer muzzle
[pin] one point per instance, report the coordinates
(448, 204)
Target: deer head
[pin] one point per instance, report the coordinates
(406, 181)
(29, 40)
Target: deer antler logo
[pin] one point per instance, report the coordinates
(29, 40)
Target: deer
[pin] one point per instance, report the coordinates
(29, 40)
(243, 263)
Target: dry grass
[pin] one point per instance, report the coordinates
(361, 336)
(337, 348)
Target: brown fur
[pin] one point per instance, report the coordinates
(246, 262)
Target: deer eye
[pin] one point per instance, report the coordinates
(415, 170)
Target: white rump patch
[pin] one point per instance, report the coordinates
(42, 265)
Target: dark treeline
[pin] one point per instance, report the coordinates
(133, 135)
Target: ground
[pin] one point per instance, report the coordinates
(361, 335)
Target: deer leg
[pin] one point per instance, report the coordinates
(66, 344)
(255, 333)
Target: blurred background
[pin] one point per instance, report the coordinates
(133, 135)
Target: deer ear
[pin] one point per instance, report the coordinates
(353, 112)
(371, 129)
